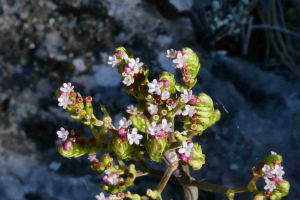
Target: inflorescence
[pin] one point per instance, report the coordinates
(149, 130)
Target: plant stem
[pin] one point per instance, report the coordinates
(166, 177)
(209, 186)
(240, 189)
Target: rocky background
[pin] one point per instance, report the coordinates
(46, 43)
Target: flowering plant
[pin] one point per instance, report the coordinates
(149, 132)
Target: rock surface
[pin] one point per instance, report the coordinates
(46, 43)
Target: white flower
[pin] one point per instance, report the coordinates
(271, 185)
(63, 134)
(152, 109)
(154, 129)
(113, 60)
(187, 149)
(183, 133)
(155, 87)
(135, 65)
(166, 127)
(128, 80)
(64, 101)
(187, 96)
(173, 157)
(113, 180)
(278, 170)
(101, 197)
(108, 172)
(132, 107)
(125, 123)
(113, 197)
(134, 137)
(165, 95)
(92, 157)
(189, 110)
(67, 88)
(268, 171)
(124, 56)
(171, 53)
(180, 60)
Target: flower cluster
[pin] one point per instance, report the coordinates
(160, 130)
(186, 151)
(131, 69)
(129, 134)
(64, 98)
(110, 178)
(150, 128)
(272, 176)
(73, 144)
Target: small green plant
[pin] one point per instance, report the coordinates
(149, 132)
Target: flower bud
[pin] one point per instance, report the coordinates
(193, 64)
(186, 78)
(164, 112)
(88, 117)
(78, 111)
(107, 120)
(168, 81)
(170, 101)
(74, 149)
(284, 188)
(88, 99)
(73, 94)
(259, 197)
(122, 148)
(80, 100)
(156, 148)
(198, 159)
(155, 118)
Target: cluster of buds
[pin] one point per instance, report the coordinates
(272, 172)
(73, 145)
(188, 62)
(157, 143)
(126, 141)
(199, 112)
(74, 103)
(134, 76)
(101, 166)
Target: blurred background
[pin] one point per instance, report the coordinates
(250, 66)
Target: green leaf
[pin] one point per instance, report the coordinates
(94, 130)
(104, 110)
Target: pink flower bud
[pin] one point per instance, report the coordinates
(104, 178)
(110, 164)
(177, 52)
(166, 83)
(66, 145)
(184, 158)
(186, 78)
(124, 137)
(121, 131)
(277, 181)
(120, 52)
(106, 154)
(279, 164)
(159, 80)
(193, 100)
(185, 70)
(127, 70)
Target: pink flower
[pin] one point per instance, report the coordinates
(92, 157)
